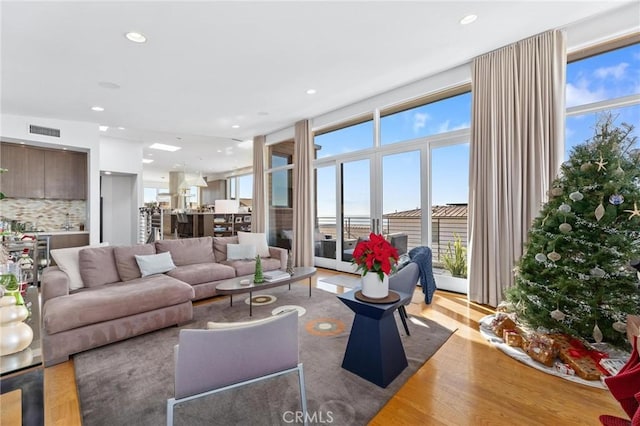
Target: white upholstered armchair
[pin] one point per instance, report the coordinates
(207, 361)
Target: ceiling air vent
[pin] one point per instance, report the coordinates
(46, 131)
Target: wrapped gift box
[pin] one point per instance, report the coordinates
(582, 360)
(541, 348)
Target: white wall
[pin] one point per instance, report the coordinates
(75, 135)
(126, 199)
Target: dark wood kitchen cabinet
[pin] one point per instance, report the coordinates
(25, 176)
(35, 172)
(65, 175)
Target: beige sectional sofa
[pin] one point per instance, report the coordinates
(114, 301)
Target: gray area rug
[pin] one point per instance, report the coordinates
(128, 382)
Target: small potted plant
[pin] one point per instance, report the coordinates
(455, 262)
(376, 258)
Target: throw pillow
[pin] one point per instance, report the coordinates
(68, 260)
(155, 263)
(240, 251)
(257, 239)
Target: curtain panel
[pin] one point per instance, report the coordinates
(517, 136)
(258, 215)
(302, 196)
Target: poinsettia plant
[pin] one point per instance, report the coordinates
(375, 255)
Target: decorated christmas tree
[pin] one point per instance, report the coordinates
(258, 277)
(575, 276)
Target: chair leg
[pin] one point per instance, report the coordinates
(403, 317)
(169, 412)
(303, 394)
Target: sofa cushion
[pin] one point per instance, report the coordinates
(126, 262)
(240, 251)
(154, 263)
(220, 246)
(98, 266)
(112, 301)
(68, 260)
(248, 267)
(257, 239)
(188, 251)
(202, 273)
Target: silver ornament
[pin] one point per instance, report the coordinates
(597, 272)
(599, 212)
(618, 172)
(616, 199)
(597, 334)
(576, 196)
(565, 228)
(554, 256)
(558, 315)
(564, 208)
(586, 166)
(620, 327)
(540, 257)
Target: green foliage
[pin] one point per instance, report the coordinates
(9, 282)
(258, 277)
(455, 259)
(2, 196)
(574, 263)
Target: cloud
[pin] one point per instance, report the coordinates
(446, 127)
(616, 71)
(419, 121)
(580, 94)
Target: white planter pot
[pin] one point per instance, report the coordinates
(374, 288)
(449, 283)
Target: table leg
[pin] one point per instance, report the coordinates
(309, 286)
(231, 300)
(250, 304)
(375, 351)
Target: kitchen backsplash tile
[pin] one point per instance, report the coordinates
(46, 215)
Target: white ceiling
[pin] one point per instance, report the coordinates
(209, 65)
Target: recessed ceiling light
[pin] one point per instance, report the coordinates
(468, 19)
(135, 37)
(107, 173)
(163, 147)
(311, 91)
(235, 126)
(97, 108)
(149, 155)
(263, 113)
(103, 128)
(147, 160)
(219, 150)
(120, 128)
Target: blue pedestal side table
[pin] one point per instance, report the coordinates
(374, 351)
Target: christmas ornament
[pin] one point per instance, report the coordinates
(616, 199)
(620, 327)
(565, 228)
(618, 172)
(597, 272)
(586, 166)
(597, 334)
(558, 315)
(576, 196)
(601, 164)
(557, 191)
(599, 212)
(540, 257)
(564, 208)
(634, 212)
(554, 256)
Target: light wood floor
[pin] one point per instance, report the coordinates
(467, 382)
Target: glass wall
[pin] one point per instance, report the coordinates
(280, 194)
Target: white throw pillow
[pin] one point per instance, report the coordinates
(241, 251)
(68, 260)
(256, 239)
(155, 263)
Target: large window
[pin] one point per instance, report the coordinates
(442, 116)
(347, 139)
(608, 81)
(280, 192)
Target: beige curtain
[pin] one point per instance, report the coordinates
(258, 217)
(517, 134)
(302, 196)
